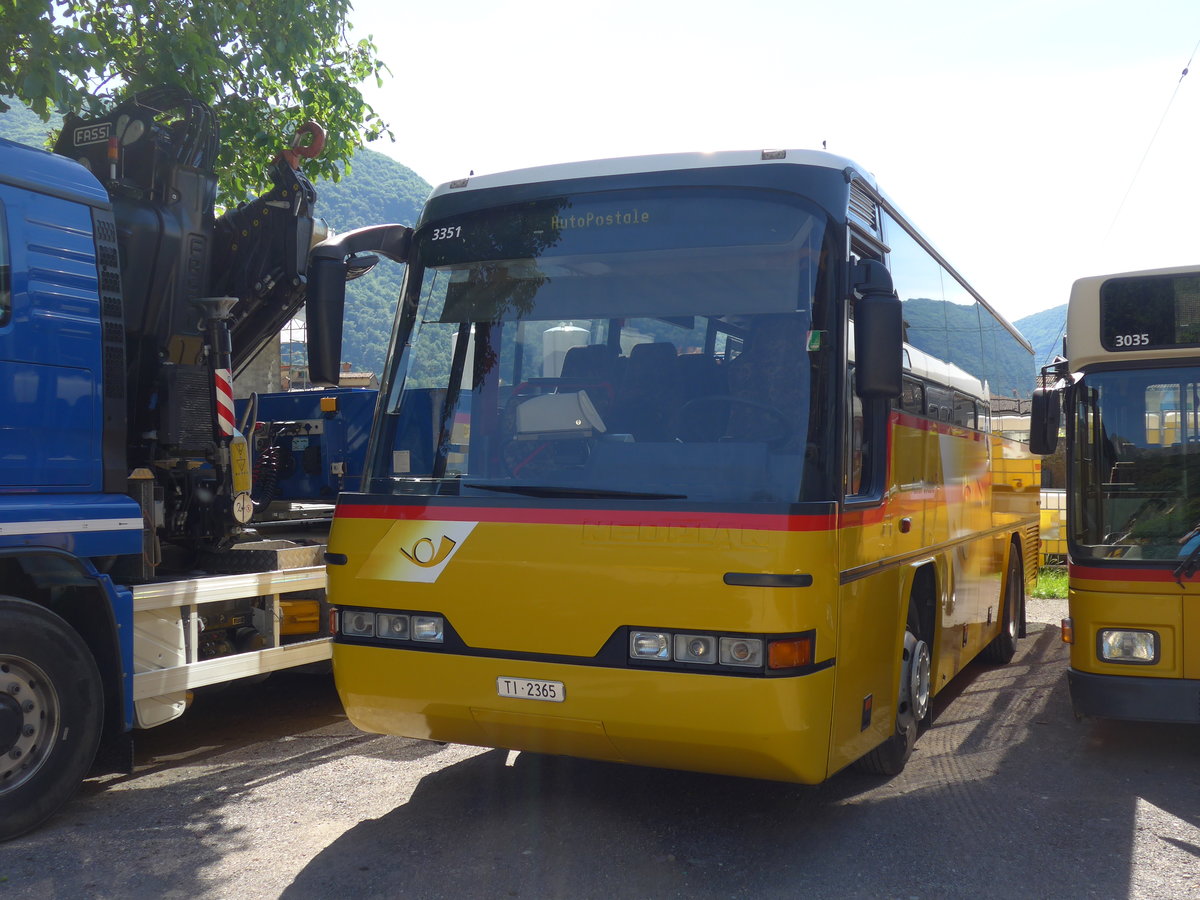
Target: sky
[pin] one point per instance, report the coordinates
(1032, 142)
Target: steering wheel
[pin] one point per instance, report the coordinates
(691, 428)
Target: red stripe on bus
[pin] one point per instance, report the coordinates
(871, 515)
(910, 421)
(1095, 573)
(531, 516)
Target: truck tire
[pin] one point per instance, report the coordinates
(51, 714)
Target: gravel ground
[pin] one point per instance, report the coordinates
(267, 791)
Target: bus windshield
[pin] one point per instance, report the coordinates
(653, 344)
(1137, 464)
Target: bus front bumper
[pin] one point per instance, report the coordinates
(1135, 698)
(770, 728)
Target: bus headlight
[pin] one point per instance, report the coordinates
(695, 648)
(1119, 645)
(649, 645)
(392, 626)
(736, 651)
(358, 624)
(427, 628)
(722, 652)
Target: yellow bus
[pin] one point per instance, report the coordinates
(665, 472)
(1131, 390)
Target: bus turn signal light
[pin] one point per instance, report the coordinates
(791, 653)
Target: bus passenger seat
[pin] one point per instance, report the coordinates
(592, 362)
(649, 394)
(594, 369)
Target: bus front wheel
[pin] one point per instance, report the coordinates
(912, 706)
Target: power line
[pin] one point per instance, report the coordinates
(1153, 137)
(1056, 347)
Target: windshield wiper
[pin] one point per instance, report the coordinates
(540, 490)
(1187, 568)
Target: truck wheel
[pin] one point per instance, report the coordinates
(51, 712)
(912, 707)
(1004, 645)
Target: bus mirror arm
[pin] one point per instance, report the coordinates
(878, 332)
(325, 302)
(872, 277)
(392, 241)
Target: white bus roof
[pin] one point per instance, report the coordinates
(1083, 321)
(663, 162)
(679, 162)
(944, 373)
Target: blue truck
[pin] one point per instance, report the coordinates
(136, 561)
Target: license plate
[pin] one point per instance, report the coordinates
(531, 689)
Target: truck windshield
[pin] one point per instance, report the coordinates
(1137, 464)
(654, 344)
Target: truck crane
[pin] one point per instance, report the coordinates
(131, 570)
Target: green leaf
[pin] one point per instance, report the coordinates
(80, 55)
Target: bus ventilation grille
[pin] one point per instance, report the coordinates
(862, 206)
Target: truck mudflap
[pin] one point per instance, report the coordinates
(167, 624)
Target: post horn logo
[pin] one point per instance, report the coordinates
(425, 555)
(416, 551)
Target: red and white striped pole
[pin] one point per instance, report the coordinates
(223, 383)
(232, 460)
(217, 313)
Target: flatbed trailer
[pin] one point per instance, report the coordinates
(168, 619)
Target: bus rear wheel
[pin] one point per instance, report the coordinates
(912, 709)
(51, 712)
(1004, 645)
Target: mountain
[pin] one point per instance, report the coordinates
(373, 190)
(377, 190)
(23, 125)
(953, 333)
(1045, 331)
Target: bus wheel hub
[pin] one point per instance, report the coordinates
(915, 679)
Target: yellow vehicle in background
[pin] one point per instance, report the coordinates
(1131, 389)
(666, 472)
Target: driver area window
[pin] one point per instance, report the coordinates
(5, 272)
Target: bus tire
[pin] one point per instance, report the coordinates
(51, 714)
(1004, 645)
(912, 708)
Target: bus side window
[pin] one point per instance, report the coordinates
(941, 403)
(912, 397)
(854, 440)
(866, 445)
(964, 410)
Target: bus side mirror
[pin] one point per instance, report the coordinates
(325, 303)
(325, 308)
(878, 333)
(1045, 413)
